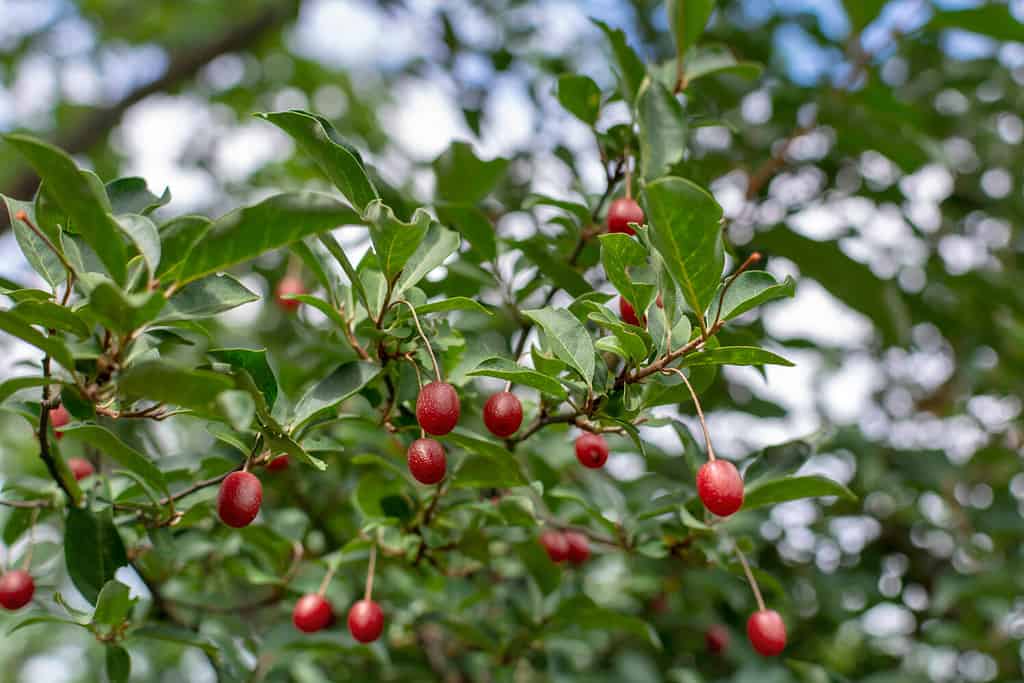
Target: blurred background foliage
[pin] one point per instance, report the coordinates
(877, 158)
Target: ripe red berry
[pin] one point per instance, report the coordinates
(659, 301)
(503, 413)
(238, 501)
(717, 639)
(81, 468)
(279, 463)
(579, 547)
(437, 408)
(312, 613)
(16, 589)
(426, 460)
(365, 621)
(767, 632)
(556, 545)
(621, 213)
(288, 286)
(591, 450)
(720, 487)
(59, 417)
(628, 313)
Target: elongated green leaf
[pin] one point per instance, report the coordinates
(112, 447)
(552, 266)
(380, 498)
(93, 550)
(685, 228)
(580, 96)
(114, 605)
(567, 337)
(338, 161)
(439, 244)
(581, 612)
(473, 224)
(662, 130)
(276, 222)
(394, 241)
(178, 237)
(633, 340)
(712, 60)
(340, 385)
(13, 325)
(748, 291)
(255, 363)
(319, 304)
(456, 303)
(40, 619)
(9, 387)
(620, 253)
(772, 491)
(81, 196)
(628, 67)
(339, 255)
(39, 255)
(122, 312)
(206, 298)
(735, 355)
(132, 195)
(143, 233)
(578, 211)
(686, 20)
(174, 385)
(464, 178)
(180, 636)
(279, 443)
(480, 471)
(119, 664)
(51, 315)
(503, 368)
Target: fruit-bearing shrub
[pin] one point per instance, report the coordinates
(511, 411)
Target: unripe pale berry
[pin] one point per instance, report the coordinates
(16, 589)
(628, 313)
(503, 413)
(289, 286)
(365, 621)
(59, 417)
(80, 467)
(591, 450)
(238, 501)
(717, 639)
(427, 461)
(312, 613)
(720, 487)
(556, 545)
(621, 213)
(437, 408)
(579, 547)
(279, 463)
(767, 632)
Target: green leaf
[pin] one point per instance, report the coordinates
(119, 664)
(38, 254)
(619, 253)
(319, 304)
(773, 491)
(52, 346)
(503, 368)
(581, 97)
(690, 521)
(10, 386)
(629, 69)
(112, 447)
(472, 223)
(575, 209)
(395, 241)
(582, 612)
(567, 337)
(143, 233)
(284, 444)
(480, 472)
(113, 606)
(323, 399)
(464, 178)
(712, 60)
(43, 619)
(180, 636)
(178, 237)
(132, 195)
(735, 355)
(52, 316)
(456, 303)
(122, 312)
(238, 407)
(633, 341)
(553, 267)
(255, 363)
(248, 232)
(380, 498)
(207, 297)
(751, 289)
(438, 245)
(340, 162)
(339, 255)
(685, 228)
(81, 196)
(93, 550)
(686, 20)
(662, 130)
(161, 381)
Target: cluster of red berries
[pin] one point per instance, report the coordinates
(313, 613)
(566, 545)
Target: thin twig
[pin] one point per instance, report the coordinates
(430, 351)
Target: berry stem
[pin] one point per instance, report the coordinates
(430, 351)
(750, 577)
(700, 413)
(331, 568)
(629, 176)
(369, 573)
(508, 385)
(27, 562)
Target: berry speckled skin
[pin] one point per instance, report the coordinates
(503, 413)
(427, 461)
(279, 463)
(579, 547)
(80, 467)
(591, 450)
(16, 589)
(717, 639)
(720, 487)
(556, 545)
(622, 212)
(628, 313)
(365, 621)
(767, 632)
(312, 613)
(437, 408)
(59, 417)
(289, 286)
(238, 501)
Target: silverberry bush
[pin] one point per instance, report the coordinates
(440, 445)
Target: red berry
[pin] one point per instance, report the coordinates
(238, 501)
(503, 413)
(437, 408)
(16, 589)
(426, 461)
(279, 463)
(81, 468)
(365, 621)
(621, 213)
(767, 632)
(659, 301)
(288, 286)
(591, 450)
(717, 639)
(628, 313)
(556, 545)
(312, 613)
(579, 547)
(720, 487)
(59, 417)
